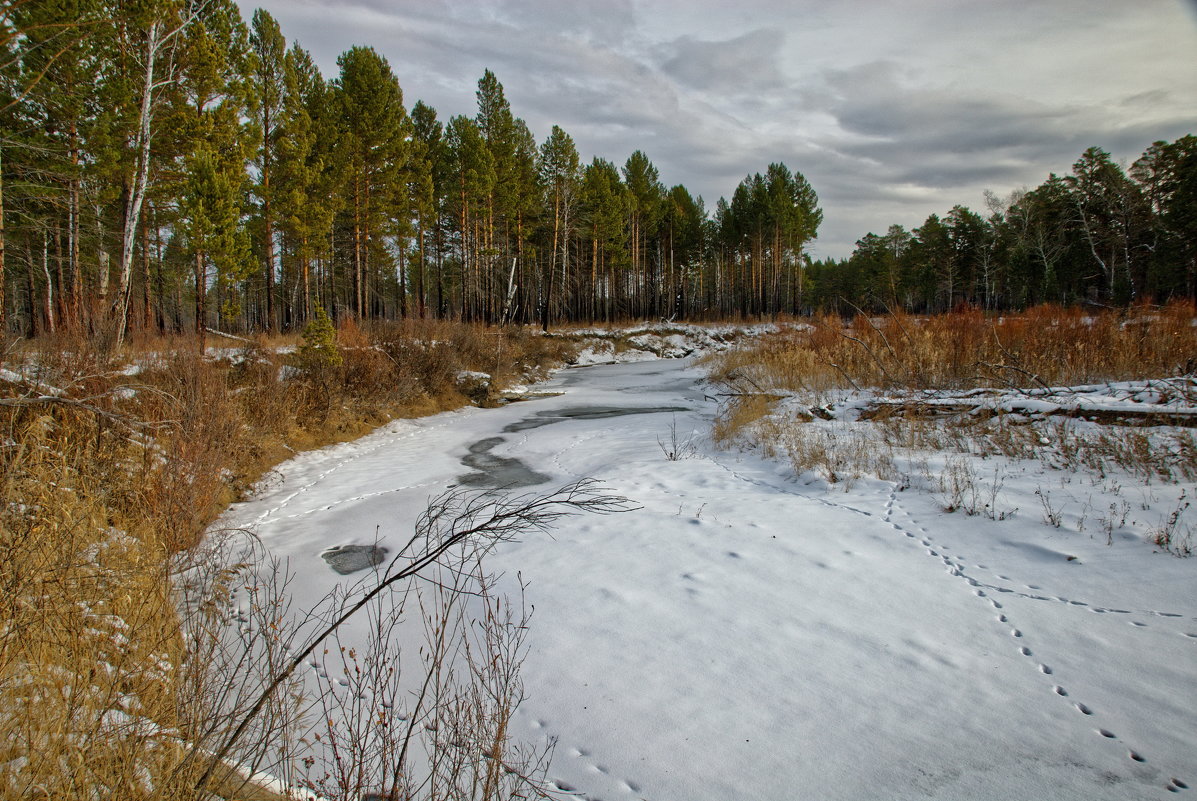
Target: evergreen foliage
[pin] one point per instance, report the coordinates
(166, 167)
(319, 349)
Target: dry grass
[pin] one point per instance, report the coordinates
(827, 359)
(739, 415)
(1046, 345)
(106, 472)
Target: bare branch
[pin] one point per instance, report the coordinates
(451, 519)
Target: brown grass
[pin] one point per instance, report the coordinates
(117, 471)
(1045, 345)
(822, 359)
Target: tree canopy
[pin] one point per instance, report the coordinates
(165, 166)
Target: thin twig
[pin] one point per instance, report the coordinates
(439, 527)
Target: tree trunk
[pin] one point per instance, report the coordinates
(402, 284)
(201, 292)
(49, 299)
(140, 181)
(307, 285)
(3, 299)
(548, 295)
(420, 296)
(268, 223)
(147, 309)
(76, 301)
(357, 246)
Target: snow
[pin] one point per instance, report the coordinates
(752, 634)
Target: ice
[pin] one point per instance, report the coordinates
(743, 635)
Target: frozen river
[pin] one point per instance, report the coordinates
(743, 635)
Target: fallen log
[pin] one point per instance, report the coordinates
(1120, 415)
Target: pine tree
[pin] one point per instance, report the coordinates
(604, 209)
(269, 83)
(373, 130)
(645, 193)
(215, 98)
(559, 171)
(471, 175)
(1167, 175)
(1110, 211)
(427, 181)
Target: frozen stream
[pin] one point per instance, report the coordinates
(745, 636)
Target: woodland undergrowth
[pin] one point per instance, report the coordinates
(111, 464)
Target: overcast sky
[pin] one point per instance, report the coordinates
(892, 110)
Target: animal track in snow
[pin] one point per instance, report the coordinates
(957, 569)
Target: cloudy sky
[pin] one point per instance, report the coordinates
(892, 110)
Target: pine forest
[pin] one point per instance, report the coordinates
(172, 167)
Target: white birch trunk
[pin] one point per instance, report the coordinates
(140, 181)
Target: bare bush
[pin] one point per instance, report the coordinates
(1173, 534)
(678, 447)
(435, 730)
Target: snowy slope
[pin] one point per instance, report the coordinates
(746, 636)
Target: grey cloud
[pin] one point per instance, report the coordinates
(935, 138)
(882, 142)
(746, 63)
(609, 22)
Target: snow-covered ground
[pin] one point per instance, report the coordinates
(746, 635)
